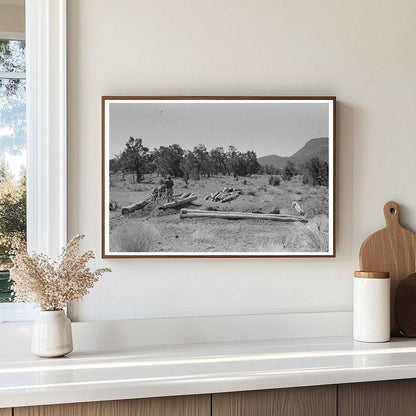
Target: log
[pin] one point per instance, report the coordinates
(187, 213)
(134, 207)
(236, 216)
(247, 214)
(227, 194)
(179, 202)
(230, 197)
(214, 195)
(191, 211)
(217, 196)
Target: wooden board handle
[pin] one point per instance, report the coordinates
(391, 214)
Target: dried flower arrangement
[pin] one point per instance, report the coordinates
(53, 285)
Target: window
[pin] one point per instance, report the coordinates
(12, 153)
(45, 56)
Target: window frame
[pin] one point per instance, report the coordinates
(12, 35)
(46, 137)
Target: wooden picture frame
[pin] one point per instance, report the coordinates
(285, 205)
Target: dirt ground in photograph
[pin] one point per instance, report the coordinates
(153, 230)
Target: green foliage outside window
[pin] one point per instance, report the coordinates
(12, 223)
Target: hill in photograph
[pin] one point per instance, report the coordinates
(313, 148)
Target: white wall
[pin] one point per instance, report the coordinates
(361, 51)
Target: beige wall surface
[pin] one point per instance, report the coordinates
(12, 18)
(361, 51)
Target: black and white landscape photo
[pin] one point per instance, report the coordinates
(218, 176)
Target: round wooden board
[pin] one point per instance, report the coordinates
(405, 306)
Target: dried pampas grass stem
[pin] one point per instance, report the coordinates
(53, 285)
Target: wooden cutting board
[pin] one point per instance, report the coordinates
(393, 250)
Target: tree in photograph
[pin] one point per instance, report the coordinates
(234, 161)
(269, 170)
(135, 158)
(218, 161)
(116, 168)
(315, 172)
(174, 161)
(324, 173)
(252, 166)
(242, 164)
(167, 160)
(204, 163)
(289, 171)
(190, 167)
(274, 180)
(115, 165)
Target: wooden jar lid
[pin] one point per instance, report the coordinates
(372, 275)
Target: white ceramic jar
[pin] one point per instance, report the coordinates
(52, 334)
(371, 313)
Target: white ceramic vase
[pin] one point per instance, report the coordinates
(52, 334)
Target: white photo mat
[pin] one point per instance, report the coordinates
(286, 126)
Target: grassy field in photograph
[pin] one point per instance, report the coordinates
(153, 230)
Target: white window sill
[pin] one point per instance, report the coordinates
(16, 313)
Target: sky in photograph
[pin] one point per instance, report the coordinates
(266, 128)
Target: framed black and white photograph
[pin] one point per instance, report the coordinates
(218, 176)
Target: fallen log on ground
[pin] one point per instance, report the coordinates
(215, 210)
(179, 202)
(214, 195)
(230, 197)
(218, 195)
(195, 213)
(225, 194)
(134, 207)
